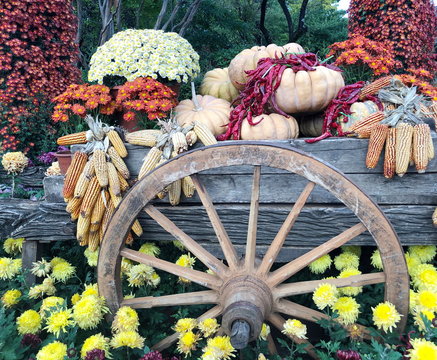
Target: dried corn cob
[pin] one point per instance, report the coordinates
(433, 110)
(390, 154)
(420, 146)
(105, 220)
(73, 205)
(434, 217)
(191, 137)
(75, 169)
(114, 183)
(411, 162)
(83, 225)
(375, 86)
(117, 143)
(179, 142)
(129, 239)
(70, 139)
(75, 214)
(98, 211)
(162, 194)
(371, 120)
(174, 192)
(430, 148)
(124, 185)
(404, 139)
(118, 162)
(204, 134)
(378, 135)
(136, 228)
(115, 199)
(143, 137)
(100, 167)
(82, 183)
(188, 187)
(93, 240)
(150, 161)
(89, 170)
(364, 133)
(90, 198)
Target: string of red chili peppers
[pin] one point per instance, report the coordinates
(341, 105)
(259, 92)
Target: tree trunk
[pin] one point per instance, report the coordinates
(301, 27)
(138, 14)
(161, 15)
(286, 12)
(262, 27)
(172, 15)
(191, 12)
(107, 17)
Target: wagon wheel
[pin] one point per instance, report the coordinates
(246, 292)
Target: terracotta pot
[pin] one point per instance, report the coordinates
(64, 160)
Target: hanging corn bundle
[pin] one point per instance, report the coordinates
(95, 181)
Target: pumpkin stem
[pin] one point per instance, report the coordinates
(197, 106)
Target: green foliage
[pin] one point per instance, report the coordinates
(10, 346)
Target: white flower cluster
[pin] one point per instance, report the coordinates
(140, 53)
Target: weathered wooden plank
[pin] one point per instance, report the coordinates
(30, 177)
(315, 224)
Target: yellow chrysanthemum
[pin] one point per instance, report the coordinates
(63, 271)
(295, 328)
(320, 265)
(126, 319)
(50, 303)
(425, 253)
(150, 249)
(218, 348)
(28, 322)
(385, 316)
(91, 256)
(422, 350)
(261, 357)
(126, 265)
(90, 290)
(14, 162)
(130, 339)
(186, 261)
(208, 327)
(418, 317)
(427, 299)
(376, 260)
(184, 325)
(413, 301)
(154, 280)
(97, 341)
(179, 245)
(350, 290)
(11, 298)
(8, 269)
(58, 322)
(346, 260)
(75, 298)
(412, 263)
(139, 275)
(425, 277)
(56, 260)
(17, 265)
(325, 295)
(13, 246)
(265, 331)
(53, 351)
(187, 342)
(348, 310)
(354, 249)
(89, 311)
(41, 268)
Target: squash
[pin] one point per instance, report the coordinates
(359, 110)
(272, 127)
(217, 83)
(311, 125)
(293, 48)
(248, 60)
(207, 109)
(308, 91)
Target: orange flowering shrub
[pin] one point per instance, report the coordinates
(145, 96)
(372, 55)
(423, 87)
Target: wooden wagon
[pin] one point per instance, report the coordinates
(249, 196)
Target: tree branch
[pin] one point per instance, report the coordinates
(161, 14)
(191, 13)
(138, 14)
(301, 27)
(262, 19)
(286, 12)
(79, 10)
(172, 15)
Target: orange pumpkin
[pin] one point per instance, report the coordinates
(272, 127)
(207, 109)
(217, 83)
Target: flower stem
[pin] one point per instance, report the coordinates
(13, 186)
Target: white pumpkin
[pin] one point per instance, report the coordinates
(217, 83)
(272, 127)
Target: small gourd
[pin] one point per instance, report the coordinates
(359, 111)
(272, 127)
(217, 83)
(311, 125)
(207, 109)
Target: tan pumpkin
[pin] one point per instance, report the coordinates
(311, 125)
(207, 109)
(248, 60)
(293, 48)
(359, 110)
(217, 83)
(308, 91)
(272, 127)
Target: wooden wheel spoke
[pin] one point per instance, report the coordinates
(278, 321)
(304, 287)
(276, 245)
(190, 298)
(253, 220)
(222, 236)
(165, 343)
(201, 278)
(199, 251)
(294, 266)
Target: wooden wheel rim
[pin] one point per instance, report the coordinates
(261, 154)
